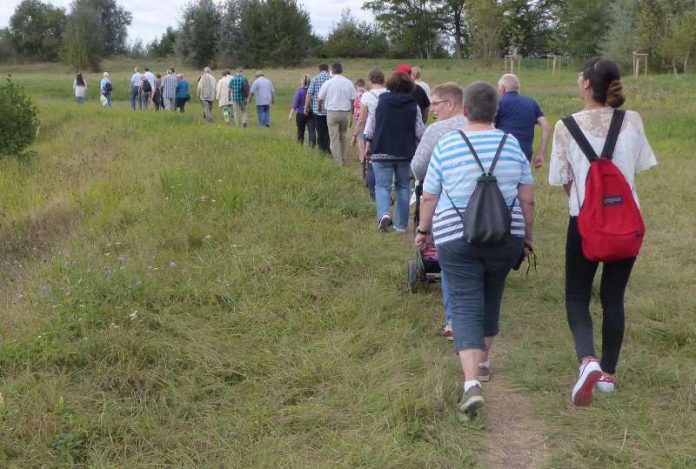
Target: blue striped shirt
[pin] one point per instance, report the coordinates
(453, 169)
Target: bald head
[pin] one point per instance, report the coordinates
(509, 82)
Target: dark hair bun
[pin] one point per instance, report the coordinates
(615, 96)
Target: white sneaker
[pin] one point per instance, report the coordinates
(606, 384)
(590, 373)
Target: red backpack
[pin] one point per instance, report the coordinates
(610, 224)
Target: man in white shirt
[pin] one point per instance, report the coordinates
(136, 81)
(223, 95)
(336, 96)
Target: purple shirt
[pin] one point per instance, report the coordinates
(299, 101)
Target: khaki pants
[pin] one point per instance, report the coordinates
(337, 122)
(240, 114)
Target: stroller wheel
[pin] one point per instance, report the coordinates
(412, 276)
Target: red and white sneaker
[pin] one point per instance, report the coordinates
(447, 331)
(590, 374)
(606, 384)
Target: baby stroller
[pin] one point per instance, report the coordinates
(425, 268)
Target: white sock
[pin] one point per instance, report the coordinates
(486, 363)
(471, 383)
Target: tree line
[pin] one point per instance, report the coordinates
(279, 32)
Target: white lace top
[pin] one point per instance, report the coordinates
(568, 163)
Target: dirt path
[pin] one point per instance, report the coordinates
(515, 436)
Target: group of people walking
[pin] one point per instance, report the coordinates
(172, 91)
(485, 133)
(482, 135)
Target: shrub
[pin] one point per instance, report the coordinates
(19, 121)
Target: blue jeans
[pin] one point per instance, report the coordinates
(371, 180)
(134, 99)
(264, 114)
(80, 99)
(444, 288)
(144, 100)
(398, 172)
(475, 282)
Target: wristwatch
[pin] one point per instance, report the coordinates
(423, 232)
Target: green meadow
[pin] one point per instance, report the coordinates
(179, 294)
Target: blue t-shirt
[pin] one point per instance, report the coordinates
(518, 115)
(182, 89)
(454, 170)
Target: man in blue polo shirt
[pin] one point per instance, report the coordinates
(518, 115)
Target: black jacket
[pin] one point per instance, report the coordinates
(395, 127)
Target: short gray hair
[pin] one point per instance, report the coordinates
(450, 90)
(480, 102)
(206, 70)
(510, 82)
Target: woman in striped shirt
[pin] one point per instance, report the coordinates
(476, 274)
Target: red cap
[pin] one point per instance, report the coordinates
(403, 68)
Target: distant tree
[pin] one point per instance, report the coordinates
(585, 25)
(96, 28)
(7, 51)
(82, 47)
(261, 32)
(661, 28)
(200, 25)
(353, 38)
(453, 12)
(621, 39)
(529, 27)
(137, 49)
(36, 30)
(680, 41)
(165, 46)
(113, 21)
(413, 26)
(486, 27)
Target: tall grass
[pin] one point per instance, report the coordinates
(182, 294)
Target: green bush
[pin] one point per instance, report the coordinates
(19, 121)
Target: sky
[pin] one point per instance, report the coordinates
(151, 18)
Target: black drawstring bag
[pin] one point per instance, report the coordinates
(487, 217)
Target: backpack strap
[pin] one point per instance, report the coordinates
(476, 157)
(580, 138)
(613, 134)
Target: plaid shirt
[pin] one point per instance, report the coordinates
(314, 88)
(237, 88)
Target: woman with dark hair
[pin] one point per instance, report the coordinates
(475, 273)
(297, 108)
(600, 89)
(391, 141)
(80, 88)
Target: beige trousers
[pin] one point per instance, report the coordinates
(240, 114)
(337, 122)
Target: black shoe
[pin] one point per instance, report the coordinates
(384, 223)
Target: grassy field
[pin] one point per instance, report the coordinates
(188, 295)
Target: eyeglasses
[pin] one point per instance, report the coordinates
(434, 103)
